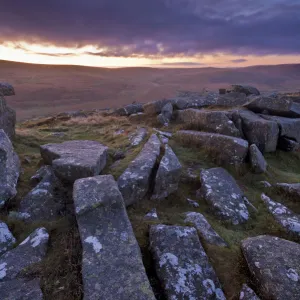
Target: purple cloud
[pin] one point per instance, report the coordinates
(157, 27)
(239, 60)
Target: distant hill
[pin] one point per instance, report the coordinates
(47, 89)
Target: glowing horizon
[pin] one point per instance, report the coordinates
(90, 55)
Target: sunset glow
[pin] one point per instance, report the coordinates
(51, 54)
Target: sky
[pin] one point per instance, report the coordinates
(159, 33)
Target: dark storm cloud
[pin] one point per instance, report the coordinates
(239, 60)
(157, 27)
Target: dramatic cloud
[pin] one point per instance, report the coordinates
(166, 28)
(239, 60)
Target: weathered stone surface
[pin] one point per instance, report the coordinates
(247, 293)
(284, 216)
(246, 89)
(167, 176)
(182, 265)
(275, 265)
(151, 215)
(32, 250)
(289, 128)
(165, 116)
(7, 118)
(75, 159)
(204, 229)
(231, 99)
(289, 189)
(280, 106)
(257, 160)
(222, 148)
(263, 133)
(137, 137)
(46, 200)
(155, 107)
(210, 121)
(20, 289)
(137, 117)
(134, 183)
(112, 266)
(221, 192)
(130, 109)
(7, 240)
(6, 89)
(9, 169)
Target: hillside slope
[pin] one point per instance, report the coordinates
(47, 89)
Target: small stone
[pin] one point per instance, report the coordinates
(138, 136)
(247, 293)
(192, 203)
(151, 215)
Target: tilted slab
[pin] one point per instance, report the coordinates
(222, 148)
(284, 216)
(112, 266)
(9, 169)
(204, 229)
(275, 266)
(182, 264)
(72, 160)
(167, 176)
(222, 193)
(134, 183)
(32, 250)
(7, 240)
(46, 201)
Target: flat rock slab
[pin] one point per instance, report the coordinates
(261, 132)
(72, 160)
(275, 266)
(222, 193)
(46, 201)
(278, 106)
(9, 169)
(284, 216)
(32, 250)
(222, 148)
(20, 289)
(167, 176)
(204, 229)
(182, 264)
(7, 118)
(290, 189)
(257, 160)
(247, 293)
(134, 183)
(112, 266)
(6, 89)
(7, 240)
(209, 121)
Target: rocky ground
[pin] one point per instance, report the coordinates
(197, 198)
